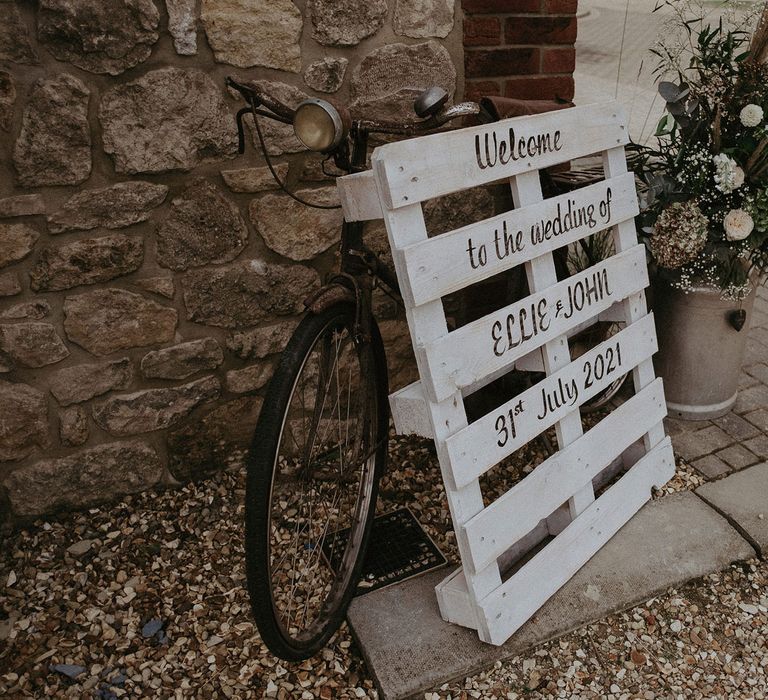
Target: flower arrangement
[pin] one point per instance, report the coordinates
(705, 215)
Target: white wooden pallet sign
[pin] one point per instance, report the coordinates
(552, 515)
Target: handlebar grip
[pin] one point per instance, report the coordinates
(254, 94)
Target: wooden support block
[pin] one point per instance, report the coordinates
(410, 412)
(359, 197)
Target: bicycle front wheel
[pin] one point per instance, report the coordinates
(318, 452)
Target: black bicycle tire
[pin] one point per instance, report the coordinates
(261, 463)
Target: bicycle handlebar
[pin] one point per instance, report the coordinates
(256, 96)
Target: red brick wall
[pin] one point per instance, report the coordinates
(519, 48)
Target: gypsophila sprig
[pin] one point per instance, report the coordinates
(706, 214)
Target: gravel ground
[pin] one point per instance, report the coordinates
(145, 598)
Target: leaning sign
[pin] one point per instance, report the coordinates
(520, 549)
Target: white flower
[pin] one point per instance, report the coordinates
(751, 115)
(738, 225)
(727, 176)
(738, 177)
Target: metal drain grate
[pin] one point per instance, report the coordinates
(399, 548)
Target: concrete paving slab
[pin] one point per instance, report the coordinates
(743, 499)
(409, 649)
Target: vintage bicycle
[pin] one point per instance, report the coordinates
(320, 444)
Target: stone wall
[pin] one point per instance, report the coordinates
(148, 275)
(520, 48)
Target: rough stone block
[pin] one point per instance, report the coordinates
(83, 479)
(7, 99)
(54, 145)
(73, 426)
(423, 18)
(182, 24)
(279, 138)
(345, 22)
(246, 293)
(27, 310)
(260, 342)
(254, 179)
(84, 382)
(16, 242)
(387, 80)
(32, 344)
(104, 36)
(248, 33)
(10, 284)
(168, 119)
(164, 286)
(108, 320)
(153, 409)
(284, 223)
(202, 227)
(15, 45)
(248, 379)
(21, 205)
(86, 261)
(116, 206)
(183, 360)
(24, 423)
(326, 74)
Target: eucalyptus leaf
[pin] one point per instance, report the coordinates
(665, 125)
(676, 109)
(669, 91)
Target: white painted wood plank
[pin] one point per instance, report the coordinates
(454, 260)
(509, 606)
(419, 169)
(476, 448)
(461, 358)
(359, 197)
(551, 483)
(409, 411)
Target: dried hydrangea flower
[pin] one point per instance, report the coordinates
(751, 115)
(738, 224)
(679, 235)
